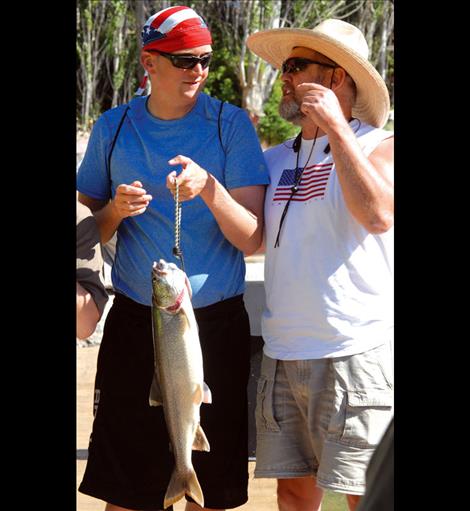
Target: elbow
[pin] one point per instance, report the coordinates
(87, 320)
(253, 245)
(250, 250)
(380, 223)
(84, 331)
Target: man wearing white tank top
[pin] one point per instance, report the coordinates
(325, 393)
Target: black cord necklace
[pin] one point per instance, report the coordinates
(299, 172)
(298, 176)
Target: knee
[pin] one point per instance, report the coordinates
(287, 499)
(293, 498)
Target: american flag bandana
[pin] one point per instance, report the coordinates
(312, 184)
(172, 29)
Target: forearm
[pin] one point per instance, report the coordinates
(241, 225)
(108, 221)
(368, 192)
(87, 313)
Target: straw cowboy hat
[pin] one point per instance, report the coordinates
(344, 44)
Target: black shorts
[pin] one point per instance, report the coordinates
(129, 459)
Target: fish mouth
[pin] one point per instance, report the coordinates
(162, 267)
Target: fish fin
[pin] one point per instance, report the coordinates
(155, 397)
(179, 486)
(202, 394)
(198, 395)
(207, 394)
(200, 440)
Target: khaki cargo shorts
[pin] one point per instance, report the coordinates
(324, 417)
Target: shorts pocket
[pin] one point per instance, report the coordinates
(368, 413)
(265, 406)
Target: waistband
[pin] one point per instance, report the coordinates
(213, 311)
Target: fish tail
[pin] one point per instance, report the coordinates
(180, 485)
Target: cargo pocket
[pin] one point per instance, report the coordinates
(367, 415)
(265, 420)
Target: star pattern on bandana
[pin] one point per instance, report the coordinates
(150, 34)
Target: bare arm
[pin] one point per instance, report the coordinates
(87, 313)
(366, 182)
(130, 200)
(238, 212)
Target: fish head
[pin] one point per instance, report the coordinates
(169, 285)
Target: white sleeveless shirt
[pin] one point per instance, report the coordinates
(329, 284)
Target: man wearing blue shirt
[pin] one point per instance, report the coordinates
(176, 135)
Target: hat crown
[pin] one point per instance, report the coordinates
(346, 34)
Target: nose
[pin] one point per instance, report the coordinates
(286, 77)
(198, 68)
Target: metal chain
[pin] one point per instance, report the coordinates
(177, 249)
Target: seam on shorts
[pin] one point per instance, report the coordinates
(283, 474)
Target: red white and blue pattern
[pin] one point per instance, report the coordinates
(175, 28)
(312, 185)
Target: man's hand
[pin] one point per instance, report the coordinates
(131, 200)
(320, 104)
(191, 181)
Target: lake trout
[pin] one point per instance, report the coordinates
(178, 382)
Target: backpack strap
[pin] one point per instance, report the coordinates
(220, 124)
(112, 146)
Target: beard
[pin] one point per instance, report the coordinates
(289, 110)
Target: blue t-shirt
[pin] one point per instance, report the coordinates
(216, 269)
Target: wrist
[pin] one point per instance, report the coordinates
(114, 210)
(209, 187)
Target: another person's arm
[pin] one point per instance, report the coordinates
(91, 292)
(88, 314)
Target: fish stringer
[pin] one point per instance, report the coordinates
(177, 252)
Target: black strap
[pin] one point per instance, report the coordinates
(220, 124)
(112, 146)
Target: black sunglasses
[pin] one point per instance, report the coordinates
(186, 61)
(295, 64)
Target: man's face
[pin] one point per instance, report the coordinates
(179, 84)
(289, 107)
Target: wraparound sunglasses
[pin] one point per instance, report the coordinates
(295, 64)
(185, 61)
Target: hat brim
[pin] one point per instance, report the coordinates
(372, 102)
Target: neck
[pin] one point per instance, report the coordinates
(311, 131)
(166, 109)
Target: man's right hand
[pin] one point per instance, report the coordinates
(131, 200)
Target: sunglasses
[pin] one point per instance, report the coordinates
(296, 64)
(186, 61)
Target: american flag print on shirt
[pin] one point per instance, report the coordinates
(311, 186)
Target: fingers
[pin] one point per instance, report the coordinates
(180, 160)
(191, 180)
(170, 180)
(303, 88)
(131, 200)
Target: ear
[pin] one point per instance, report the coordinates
(147, 61)
(339, 79)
